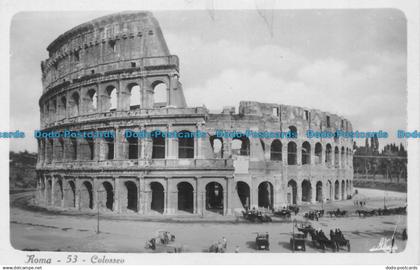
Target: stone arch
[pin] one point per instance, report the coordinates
(106, 196)
(110, 148)
(266, 195)
(343, 190)
(336, 190)
(50, 150)
(330, 190)
(276, 150)
(158, 145)
(306, 153)
(58, 193)
(291, 153)
(214, 197)
(343, 157)
(336, 157)
(328, 154)
(318, 153)
(86, 195)
(73, 148)
(158, 197)
(306, 191)
(185, 144)
(60, 152)
(92, 97)
(293, 131)
(70, 194)
(132, 196)
(133, 147)
(112, 98)
(241, 146)
(160, 94)
(244, 193)
(63, 106)
(217, 146)
(292, 192)
(319, 192)
(135, 96)
(185, 197)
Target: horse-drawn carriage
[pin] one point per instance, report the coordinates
(256, 216)
(314, 215)
(337, 213)
(262, 241)
(284, 213)
(297, 242)
(320, 240)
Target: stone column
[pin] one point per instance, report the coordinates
(298, 153)
(77, 184)
(284, 152)
(117, 198)
(298, 191)
(314, 191)
(52, 190)
(166, 196)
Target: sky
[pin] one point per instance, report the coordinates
(348, 62)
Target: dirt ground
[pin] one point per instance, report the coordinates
(52, 231)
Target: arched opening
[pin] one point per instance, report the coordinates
(318, 153)
(292, 192)
(132, 195)
(73, 148)
(276, 150)
(185, 197)
(159, 94)
(265, 195)
(86, 195)
(319, 194)
(158, 197)
(244, 193)
(50, 150)
(63, 106)
(93, 99)
(328, 154)
(60, 152)
(291, 153)
(135, 96)
(343, 190)
(336, 157)
(70, 195)
(112, 98)
(158, 141)
(343, 157)
(306, 191)
(217, 146)
(306, 153)
(185, 144)
(214, 197)
(293, 131)
(109, 149)
(133, 147)
(75, 103)
(58, 193)
(106, 196)
(337, 190)
(330, 190)
(241, 146)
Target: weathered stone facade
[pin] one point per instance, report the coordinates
(105, 75)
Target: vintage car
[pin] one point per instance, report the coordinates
(262, 241)
(297, 242)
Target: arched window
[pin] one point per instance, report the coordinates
(63, 106)
(336, 157)
(76, 102)
(135, 96)
(328, 154)
(109, 154)
(159, 94)
(93, 99)
(73, 152)
(306, 153)
(217, 146)
(112, 96)
(133, 148)
(185, 144)
(293, 130)
(276, 150)
(343, 157)
(240, 146)
(291, 153)
(318, 153)
(158, 149)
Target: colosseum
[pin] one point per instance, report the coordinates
(116, 73)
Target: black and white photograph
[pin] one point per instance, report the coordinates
(202, 130)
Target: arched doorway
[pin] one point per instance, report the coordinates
(158, 198)
(86, 195)
(132, 196)
(319, 195)
(214, 197)
(106, 196)
(70, 195)
(185, 197)
(306, 191)
(243, 193)
(292, 192)
(337, 190)
(265, 195)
